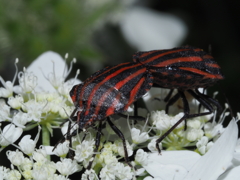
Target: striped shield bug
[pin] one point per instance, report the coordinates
(185, 69)
(107, 92)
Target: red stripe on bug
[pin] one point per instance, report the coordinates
(160, 55)
(121, 83)
(74, 96)
(111, 109)
(102, 99)
(117, 86)
(212, 65)
(197, 71)
(134, 92)
(105, 80)
(178, 60)
(95, 77)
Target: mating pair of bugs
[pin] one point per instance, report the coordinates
(113, 89)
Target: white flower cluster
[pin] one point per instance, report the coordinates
(34, 104)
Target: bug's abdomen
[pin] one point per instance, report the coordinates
(181, 68)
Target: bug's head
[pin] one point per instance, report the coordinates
(74, 93)
(84, 121)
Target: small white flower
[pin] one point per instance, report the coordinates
(27, 164)
(15, 157)
(194, 123)
(34, 110)
(65, 110)
(20, 119)
(141, 157)
(203, 145)
(39, 155)
(139, 137)
(4, 111)
(10, 134)
(27, 145)
(152, 145)
(193, 134)
(3, 172)
(89, 175)
(27, 82)
(67, 166)
(7, 90)
(62, 149)
(44, 171)
(13, 174)
(27, 174)
(106, 157)
(108, 172)
(16, 102)
(161, 120)
(84, 150)
(65, 87)
(123, 172)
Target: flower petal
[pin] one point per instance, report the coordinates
(170, 171)
(47, 63)
(182, 158)
(146, 29)
(231, 174)
(217, 159)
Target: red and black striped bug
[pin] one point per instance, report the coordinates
(107, 92)
(185, 69)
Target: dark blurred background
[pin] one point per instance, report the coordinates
(92, 31)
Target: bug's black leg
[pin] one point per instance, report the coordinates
(172, 101)
(204, 102)
(69, 137)
(97, 143)
(211, 100)
(166, 99)
(186, 114)
(120, 135)
(135, 108)
(69, 128)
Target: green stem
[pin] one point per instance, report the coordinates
(46, 138)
